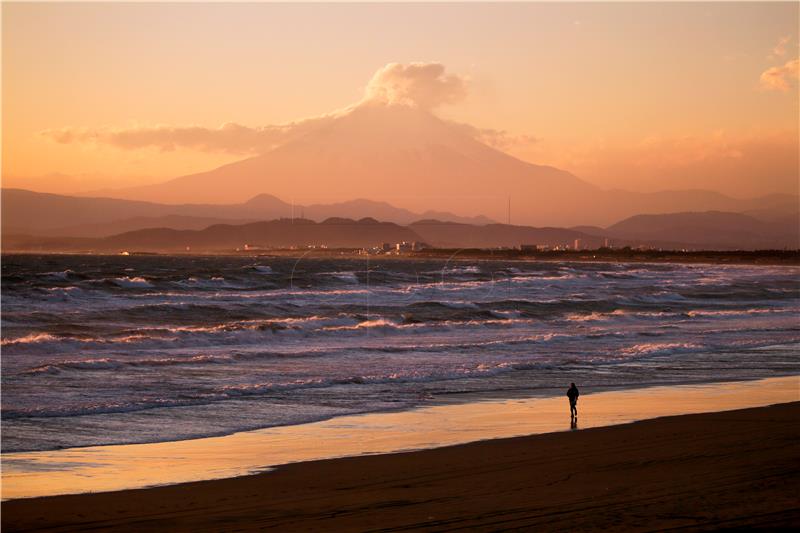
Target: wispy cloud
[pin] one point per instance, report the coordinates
(781, 78)
(231, 138)
(500, 139)
(779, 50)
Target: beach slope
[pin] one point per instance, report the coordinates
(717, 470)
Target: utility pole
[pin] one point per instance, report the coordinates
(509, 210)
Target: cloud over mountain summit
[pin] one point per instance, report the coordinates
(420, 85)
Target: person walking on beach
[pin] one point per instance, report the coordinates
(572, 394)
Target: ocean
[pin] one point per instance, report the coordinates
(131, 349)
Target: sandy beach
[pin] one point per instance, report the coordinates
(715, 470)
(122, 467)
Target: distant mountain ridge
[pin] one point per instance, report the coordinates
(455, 235)
(283, 233)
(333, 233)
(713, 230)
(728, 230)
(47, 214)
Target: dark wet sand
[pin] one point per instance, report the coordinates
(719, 470)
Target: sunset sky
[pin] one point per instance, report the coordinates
(643, 96)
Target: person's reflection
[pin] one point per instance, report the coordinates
(573, 423)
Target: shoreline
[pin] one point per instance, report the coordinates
(730, 469)
(442, 400)
(133, 466)
(788, 258)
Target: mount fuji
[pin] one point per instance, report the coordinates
(408, 156)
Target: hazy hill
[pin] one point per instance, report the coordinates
(631, 204)
(380, 211)
(179, 222)
(710, 229)
(276, 233)
(36, 213)
(721, 231)
(333, 233)
(453, 235)
(75, 223)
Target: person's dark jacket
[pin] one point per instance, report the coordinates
(572, 394)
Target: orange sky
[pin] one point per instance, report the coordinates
(644, 96)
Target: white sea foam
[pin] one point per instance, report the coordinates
(132, 282)
(651, 348)
(59, 276)
(113, 364)
(29, 339)
(349, 277)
